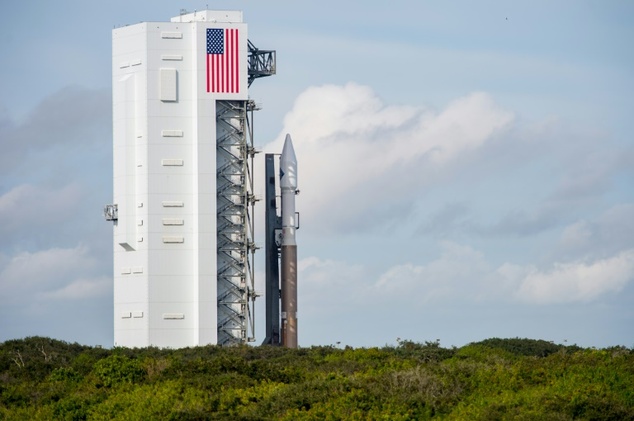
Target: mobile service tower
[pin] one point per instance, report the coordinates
(183, 185)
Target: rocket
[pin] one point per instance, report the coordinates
(281, 249)
(288, 185)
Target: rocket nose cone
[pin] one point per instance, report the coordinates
(288, 152)
(288, 165)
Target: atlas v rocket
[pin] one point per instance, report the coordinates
(280, 236)
(288, 184)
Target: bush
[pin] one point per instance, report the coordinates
(525, 347)
(117, 369)
(523, 379)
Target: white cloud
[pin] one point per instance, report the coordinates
(463, 274)
(577, 281)
(576, 235)
(330, 286)
(71, 118)
(27, 275)
(350, 145)
(457, 273)
(319, 272)
(606, 235)
(81, 288)
(28, 206)
(341, 300)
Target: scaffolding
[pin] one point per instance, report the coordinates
(235, 229)
(235, 209)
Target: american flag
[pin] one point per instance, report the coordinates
(223, 72)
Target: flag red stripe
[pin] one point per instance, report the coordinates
(229, 60)
(215, 67)
(236, 86)
(225, 58)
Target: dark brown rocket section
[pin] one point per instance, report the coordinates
(289, 296)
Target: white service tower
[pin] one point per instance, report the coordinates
(183, 236)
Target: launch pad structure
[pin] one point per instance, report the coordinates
(183, 179)
(281, 248)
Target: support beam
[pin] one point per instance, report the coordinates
(273, 224)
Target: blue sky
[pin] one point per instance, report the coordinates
(466, 168)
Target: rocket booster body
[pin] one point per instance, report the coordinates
(288, 185)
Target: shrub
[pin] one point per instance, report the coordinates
(117, 369)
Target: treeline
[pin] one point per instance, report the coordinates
(496, 379)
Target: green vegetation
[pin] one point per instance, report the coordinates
(496, 379)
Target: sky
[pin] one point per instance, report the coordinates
(466, 168)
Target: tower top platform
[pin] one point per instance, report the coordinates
(220, 16)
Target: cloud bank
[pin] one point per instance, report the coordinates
(358, 147)
(505, 215)
(55, 262)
